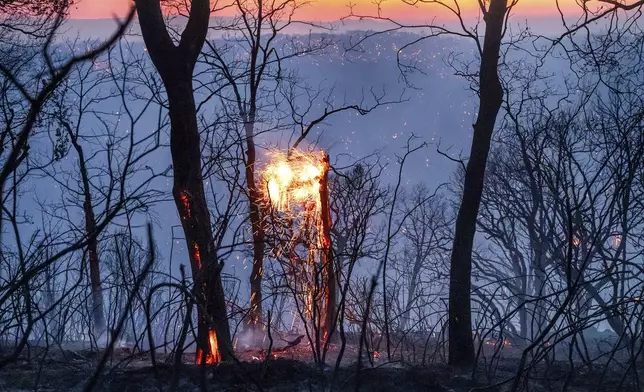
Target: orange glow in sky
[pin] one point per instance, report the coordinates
(330, 10)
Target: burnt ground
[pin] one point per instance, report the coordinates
(281, 375)
(127, 373)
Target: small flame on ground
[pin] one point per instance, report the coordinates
(214, 356)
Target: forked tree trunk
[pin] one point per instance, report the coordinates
(461, 345)
(176, 65)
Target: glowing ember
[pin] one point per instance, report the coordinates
(214, 356)
(197, 254)
(186, 204)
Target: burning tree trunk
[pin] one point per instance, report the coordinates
(461, 345)
(176, 65)
(298, 187)
(327, 252)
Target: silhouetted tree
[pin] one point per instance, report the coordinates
(488, 87)
(175, 64)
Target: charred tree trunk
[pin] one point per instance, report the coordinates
(189, 196)
(254, 194)
(411, 292)
(540, 315)
(461, 345)
(254, 199)
(327, 254)
(98, 314)
(176, 65)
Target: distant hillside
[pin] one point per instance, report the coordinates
(101, 28)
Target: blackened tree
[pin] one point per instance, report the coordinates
(175, 64)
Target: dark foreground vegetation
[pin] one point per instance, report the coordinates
(71, 372)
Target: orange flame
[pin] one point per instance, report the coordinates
(292, 188)
(293, 179)
(186, 204)
(214, 356)
(197, 254)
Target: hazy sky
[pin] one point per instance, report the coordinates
(329, 10)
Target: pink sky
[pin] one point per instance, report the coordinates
(329, 10)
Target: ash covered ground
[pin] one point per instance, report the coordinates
(292, 369)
